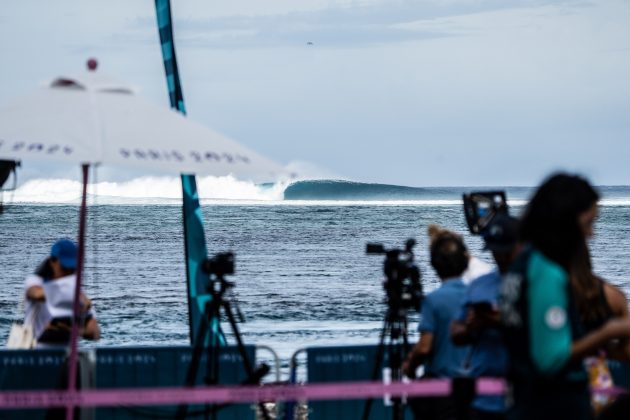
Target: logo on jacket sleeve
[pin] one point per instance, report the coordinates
(555, 317)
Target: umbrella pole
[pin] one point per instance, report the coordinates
(72, 365)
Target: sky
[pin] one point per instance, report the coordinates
(419, 93)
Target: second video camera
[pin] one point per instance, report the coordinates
(219, 265)
(402, 284)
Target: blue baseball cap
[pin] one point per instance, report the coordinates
(65, 251)
(501, 234)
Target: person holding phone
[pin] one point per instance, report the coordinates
(50, 299)
(478, 324)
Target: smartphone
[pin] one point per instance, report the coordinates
(482, 307)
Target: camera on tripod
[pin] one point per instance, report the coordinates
(402, 284)
(219, 265)
(480, 208)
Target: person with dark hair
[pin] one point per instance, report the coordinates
(597, 302)
(541, 323)
(478, 324)
(50, 299)
(476, 267)
(440, 357)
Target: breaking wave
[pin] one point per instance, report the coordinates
(144, 190)
(229, 190)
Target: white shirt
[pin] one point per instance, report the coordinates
(59, 301)
(476, 268)
(35, 312)
(60, 296)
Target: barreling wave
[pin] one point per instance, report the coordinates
(348, 190)
(339, 191)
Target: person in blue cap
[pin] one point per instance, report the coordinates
(479, 320)
(50, 299)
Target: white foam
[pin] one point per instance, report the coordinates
(615, 202)
(144, 190)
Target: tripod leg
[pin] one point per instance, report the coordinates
(212, 367)
(241, 348)
(191, 375)
(405, 337)
(212, 362)
(406, 348)
(377, 363)
(395, 361)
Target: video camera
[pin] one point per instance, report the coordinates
(219, 265)
(480, 208)
(402, 284)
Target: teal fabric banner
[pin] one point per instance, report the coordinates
(194, 235)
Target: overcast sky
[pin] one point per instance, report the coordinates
(432, 92)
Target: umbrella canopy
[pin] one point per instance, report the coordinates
(93, 119)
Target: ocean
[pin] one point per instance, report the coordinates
(302, 275)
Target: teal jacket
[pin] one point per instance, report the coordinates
(540, 324)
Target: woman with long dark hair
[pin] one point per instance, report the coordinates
(544, 330)
(597, 302)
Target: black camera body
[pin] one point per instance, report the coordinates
(403, 280)
(480, 208)
(220, 265)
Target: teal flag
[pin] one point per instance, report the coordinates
(194, 235)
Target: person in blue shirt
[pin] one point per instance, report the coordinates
(479, 320)
(435, 350)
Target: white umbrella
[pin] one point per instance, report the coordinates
(93, 119)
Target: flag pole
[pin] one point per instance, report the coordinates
(72, 363)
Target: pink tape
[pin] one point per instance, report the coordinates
(235, 394)
(614, 391)
(246, 394)
(490, 386)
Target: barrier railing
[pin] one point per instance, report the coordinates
(224, 394)
(290, 407)
(274, 356)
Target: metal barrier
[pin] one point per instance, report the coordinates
(276, 359)
(143, 367)
(118, 367)
(339, 364)
(151, 376)
(291, 407)
(347, 363)
(37, 369)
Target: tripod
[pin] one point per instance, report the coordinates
(394, 340)
(217, 287)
